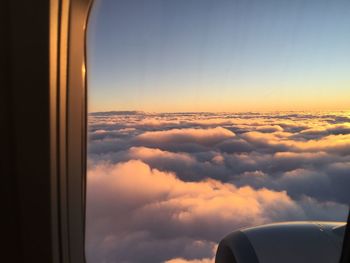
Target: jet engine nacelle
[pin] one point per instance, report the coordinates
(302, 242)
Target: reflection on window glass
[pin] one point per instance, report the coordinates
(209, 116)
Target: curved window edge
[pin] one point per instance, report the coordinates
(68, 110)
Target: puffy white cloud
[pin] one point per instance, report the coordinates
(208, 136)
(144, 153)
(132, 202)
(167, 187)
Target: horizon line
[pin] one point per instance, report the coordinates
(218, 112)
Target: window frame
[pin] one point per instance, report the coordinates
(68, 122)
(345, 253)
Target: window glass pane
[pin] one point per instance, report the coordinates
(209, 116)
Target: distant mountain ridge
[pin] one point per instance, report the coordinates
(112, 113)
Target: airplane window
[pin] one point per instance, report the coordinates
(206, 117)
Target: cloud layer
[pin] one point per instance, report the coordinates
(167, 187)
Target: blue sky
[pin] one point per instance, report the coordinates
(222, 55)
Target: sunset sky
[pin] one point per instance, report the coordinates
(227, 55)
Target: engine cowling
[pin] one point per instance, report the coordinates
(290, 242)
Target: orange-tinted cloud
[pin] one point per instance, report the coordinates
(182, 260)
(201, 136)
(167, 187)
(129, 197)
(144, 153)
